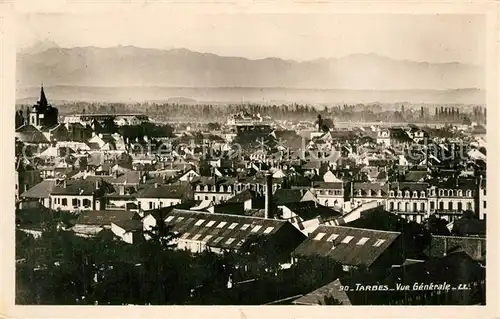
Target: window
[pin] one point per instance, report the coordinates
(379, 242)
(399, 206)
(469, 193)
(347, 239)
(459, 206)
(391, 206)
(391, 194)
(206, 197)
(233, 225)
(415, 207)
(459, 193)
(221, 224)
(245, 227)
(74, 202)
(469, 206)
(332, 237)
(169, 218)
(422, 194)
(319, 236)
(432, 205)
(86, 202)
(230, 241)
(407, 207)
(415, 194)
(268, 230)
(64, 201)
(256, 228)
(450, 205)
(362, 241)
(484, 204)
(450, 193)
(422, 207)
(441, 205)
(150, 205)
(441, 192)
(199, 222)
(407, 194)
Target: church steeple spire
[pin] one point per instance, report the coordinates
(43, 99)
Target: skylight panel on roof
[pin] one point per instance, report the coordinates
(207, 238)
(196, 237)
(217, 240)
(332, 237)
(319, 236)
(256, 228)
(199, 222)
(185, 235)
(379, 242)
(221, 224)
(233, 226)
(180, 218)
(210, 223)
(169, 218)
(347, 239)
(268, 230)
(362, 241)
(245, 227)
(230, 241)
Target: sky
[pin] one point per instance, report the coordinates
(426, 38)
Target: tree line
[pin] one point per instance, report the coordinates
(218, 113)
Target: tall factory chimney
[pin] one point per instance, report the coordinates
(268, 213)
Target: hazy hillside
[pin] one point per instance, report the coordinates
(58, 94)
(131, 66)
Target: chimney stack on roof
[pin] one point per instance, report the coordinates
(269, 194)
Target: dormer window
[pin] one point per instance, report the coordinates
(407, 194)
(422, 194)
(379, 192)
(400, 193)
(441, 192)
(415, 194)
(450, 193)
(391, 194)
(469, 193)
(221, 189)
(359, 192)
(459, 193)
(198, 188)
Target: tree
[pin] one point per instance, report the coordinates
(213, 126)
(438, 226)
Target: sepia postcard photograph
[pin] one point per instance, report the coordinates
(250, 158)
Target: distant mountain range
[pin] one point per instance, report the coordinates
(128, 66)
